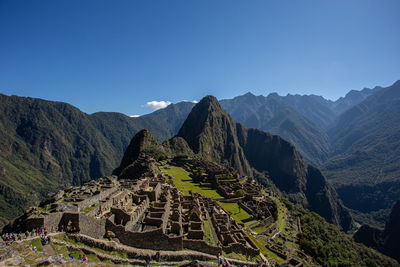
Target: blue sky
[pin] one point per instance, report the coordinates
(118, 55)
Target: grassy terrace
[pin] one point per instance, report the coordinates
(184, 183)
(75, 242)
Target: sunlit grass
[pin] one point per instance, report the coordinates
(184, 183)
(238, 214)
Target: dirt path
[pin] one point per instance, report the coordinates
(49, 250)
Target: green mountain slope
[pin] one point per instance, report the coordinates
(366, 142)
(46, 145)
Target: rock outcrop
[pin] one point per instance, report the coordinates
(134, 164)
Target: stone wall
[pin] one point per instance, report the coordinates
(92, 227)
(202, 246)
(72, 217)
(53, 220)
(33, 223)
(121, 217)
(138, 213)
(154, 239)
(96, 198)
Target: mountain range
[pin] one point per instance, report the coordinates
(46, 145)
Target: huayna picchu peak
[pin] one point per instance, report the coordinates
(213, 135)
(215, 190)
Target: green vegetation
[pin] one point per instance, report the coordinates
(44, 140)
(92, 258)
(37, 243)
(330, 247)
(182, 181)
(259, 229)
(90, 208)
(237, 213)
(77, 241)
(60, 249)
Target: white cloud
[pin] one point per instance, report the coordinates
(156, 105)
(134, 116)
(195, 101)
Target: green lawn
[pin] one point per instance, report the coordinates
(237, 214)
(37, 243)
(184, 183)
(60, 249)
(260, 229)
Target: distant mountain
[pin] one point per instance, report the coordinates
(46, 145)
(213, 135)
(353, 140)
(351, 99)
(366, 152)
(315, 108)
(386, 241)
(274, 115)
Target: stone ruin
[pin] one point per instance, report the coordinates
(150, 213)
(147, 213)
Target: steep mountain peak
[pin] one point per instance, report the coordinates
(211, 133)
(249, 94)
(142, 141)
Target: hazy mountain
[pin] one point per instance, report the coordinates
(366, 152)
(274, 115)
(212, 134)
(315, 108)
(351, 99)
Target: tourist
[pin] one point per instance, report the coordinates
(70, 255)
(219, 261)
(80, 257)
(148, 259)
(227, 264)
(84, 258)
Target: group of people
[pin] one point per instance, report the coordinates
(81, 258)
(45, 239)
(9, 238)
